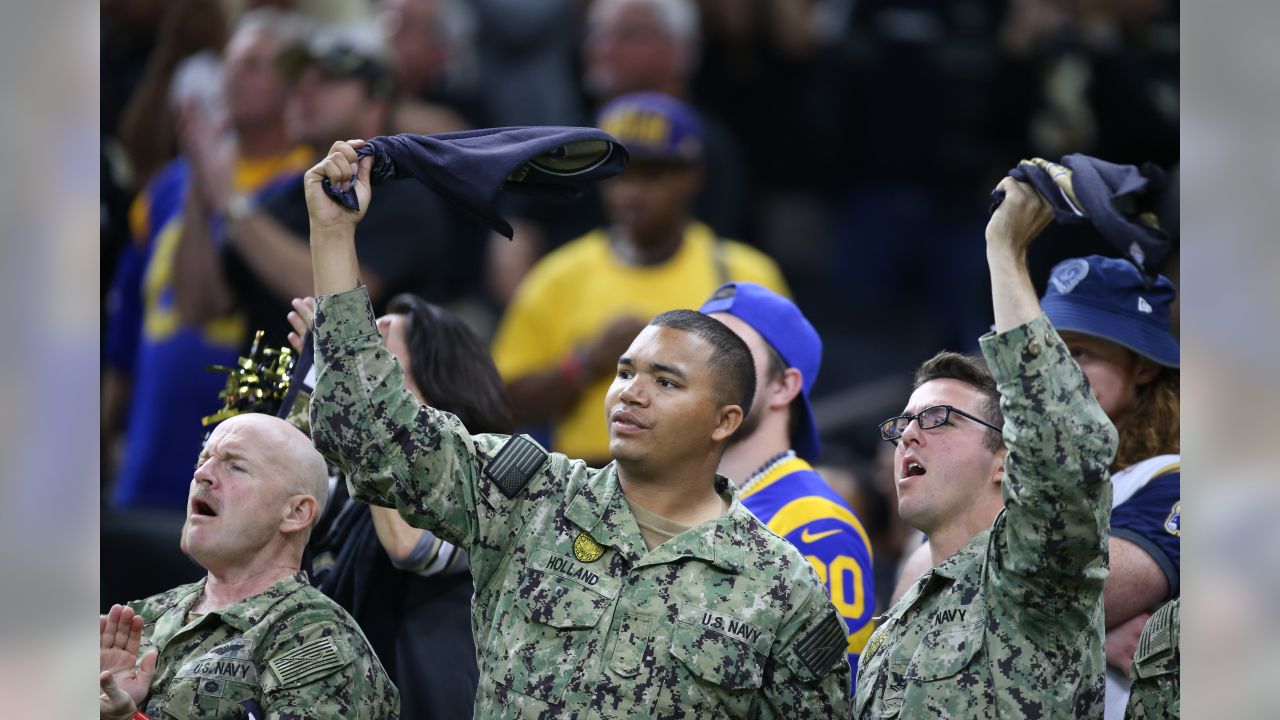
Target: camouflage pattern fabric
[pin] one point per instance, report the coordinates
(1156, 690)
(573, 616)
(290, 649)
(1011, 626)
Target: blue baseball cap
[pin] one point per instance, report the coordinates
(1108, 298)
(654, 127)
(784, 327)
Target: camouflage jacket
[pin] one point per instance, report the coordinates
(573, 617)
(290, 650)
(1011, 625)
(1156, 679)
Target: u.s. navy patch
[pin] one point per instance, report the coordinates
(1173, 523)
(515, 464)
(819, 648)
(312, 659)
(586, 549)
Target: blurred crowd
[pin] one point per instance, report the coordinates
(843, 153)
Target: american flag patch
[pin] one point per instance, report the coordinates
(318, 657)
(1156, 638)
(819, 648)
(515, 464)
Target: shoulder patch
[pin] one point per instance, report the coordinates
(515, 464)
(1156, 638)
(819, 648)
(313, 659)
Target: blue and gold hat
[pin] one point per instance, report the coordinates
(654, 127)
(1108, 298)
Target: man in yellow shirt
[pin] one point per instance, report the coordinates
(581, 306)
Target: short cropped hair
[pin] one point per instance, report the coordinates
(730, 362)
(972, 371)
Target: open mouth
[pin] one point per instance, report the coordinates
(914, 469)
(202, 508)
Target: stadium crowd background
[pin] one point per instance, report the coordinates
(864, 137)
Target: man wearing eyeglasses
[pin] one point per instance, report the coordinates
(1005, 470)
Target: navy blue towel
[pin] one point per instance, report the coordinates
(470, 167)
(1119, 200)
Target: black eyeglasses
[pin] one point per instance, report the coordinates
(930, 417)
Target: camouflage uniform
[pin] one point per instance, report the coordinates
(290, 649)
(1156, 685)
(1011, 625)
(573, 616)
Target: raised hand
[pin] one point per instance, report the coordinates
(120, 633)
(341, 167)
(1018, 220)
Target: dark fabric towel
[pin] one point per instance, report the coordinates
(470, 167)
(1119, 200)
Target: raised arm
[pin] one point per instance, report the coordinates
(333, 227)
(1057, 491)
(1018, 220)
(123, 682)
(394, 451)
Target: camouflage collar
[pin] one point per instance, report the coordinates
(601, 510)
(961, 560)
(590, 505)
(711, 542)
(250, 611)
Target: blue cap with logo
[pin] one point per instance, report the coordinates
(1108, 298)
(654, 127)
(783, 326)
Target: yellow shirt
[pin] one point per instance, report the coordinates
(573, 293)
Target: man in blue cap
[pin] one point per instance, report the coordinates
(1117, 327)
(769, 455)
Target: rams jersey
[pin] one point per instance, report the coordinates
(796, 503)
(1146, 509)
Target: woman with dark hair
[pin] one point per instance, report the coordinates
(409, 590)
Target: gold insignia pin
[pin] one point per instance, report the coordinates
(586, 549)
(875, 644)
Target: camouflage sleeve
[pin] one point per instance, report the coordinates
(1052, 535)
(808, 672)
(468, 490)
(322, 668)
